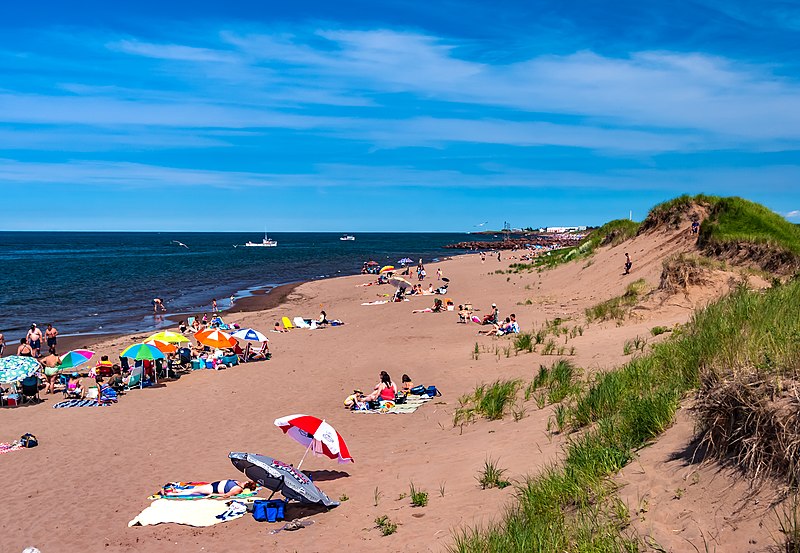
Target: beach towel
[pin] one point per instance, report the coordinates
(412, 404)
(203, 512)
(66, 404)
(185, 489)
(378, 302)
(7, 447)
(300, 322)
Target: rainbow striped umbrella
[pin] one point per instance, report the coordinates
(142, 351)
(75, 358)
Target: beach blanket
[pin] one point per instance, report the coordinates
(184, 490)
(7, 447)
(203, 512)
(66, 404)
(412, 404)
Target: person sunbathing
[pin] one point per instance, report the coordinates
(222, 488)
(385, 390)
(261, 354)
(407, 383)
(74, 388)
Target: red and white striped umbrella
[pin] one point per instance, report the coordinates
(317, 435)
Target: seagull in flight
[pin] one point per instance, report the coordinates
(481, 224)
(180, 244)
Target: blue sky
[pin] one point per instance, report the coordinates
(395, 115)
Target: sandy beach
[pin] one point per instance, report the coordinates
(94, 468)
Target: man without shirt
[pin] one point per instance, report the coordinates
(34, 339)
(50, 335)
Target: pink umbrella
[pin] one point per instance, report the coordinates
(315, 434)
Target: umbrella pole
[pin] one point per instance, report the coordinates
(300, 464)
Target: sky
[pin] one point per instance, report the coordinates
(356, 116)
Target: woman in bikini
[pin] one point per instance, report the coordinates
(222, 488)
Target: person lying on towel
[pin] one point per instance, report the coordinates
(221, 488)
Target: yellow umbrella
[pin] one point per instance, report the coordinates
(387, 268)
(169, 337)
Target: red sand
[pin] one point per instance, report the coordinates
(94, 468)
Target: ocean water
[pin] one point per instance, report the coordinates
(89, 282)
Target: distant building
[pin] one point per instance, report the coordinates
(563, 229)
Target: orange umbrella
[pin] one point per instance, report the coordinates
(215, 339)
(387, 268)
(163, 347)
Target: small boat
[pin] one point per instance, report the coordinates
(347, 237)
(265, 243)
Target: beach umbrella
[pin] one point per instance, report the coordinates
(387, 268)
(405, 260)
(215, 339)
(399, 282)
(142, 351)
(280, 477)
(250, 335)
(16, 367)
(316, 435)
(169, 337)
(75, 358)
(163, 347)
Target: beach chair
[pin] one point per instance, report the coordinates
(29, 390)
(136, 378)
(287, 324)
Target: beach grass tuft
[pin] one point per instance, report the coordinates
(618, 308)
(386, 526)
(419, 498)
(492, 476)
(490, 401)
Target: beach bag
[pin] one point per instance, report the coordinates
(374, 404)
(432, 391)
(400, 399)
(418, 390)
(269, 510)
(28, 440)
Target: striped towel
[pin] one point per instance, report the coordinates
(66, 404)
(5, 447)
(412, 404)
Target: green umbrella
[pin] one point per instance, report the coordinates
(16, 367)
(142, 351)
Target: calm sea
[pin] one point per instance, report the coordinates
(88, 282)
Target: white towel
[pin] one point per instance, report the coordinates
(195, 512)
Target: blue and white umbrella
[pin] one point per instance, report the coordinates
(16, 367)
(250, 334)
(405, 261)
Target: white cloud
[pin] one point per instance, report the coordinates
(793, 214)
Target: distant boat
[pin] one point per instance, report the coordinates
(265, 243)
(347, 237)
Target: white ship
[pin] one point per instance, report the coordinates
(265, 243)
(347, 237)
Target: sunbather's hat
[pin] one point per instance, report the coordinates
(357, 392)
(494, 305)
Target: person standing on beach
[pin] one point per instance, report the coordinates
(439, 273)
(50, 335)
(214, 305)
(2, 343)
(158, 305)
(628, 264)
(34, 339)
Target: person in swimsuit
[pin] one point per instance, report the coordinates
(386, 390)
(34, 338)
(223, 488)
(52, 371)
(50, 335)
(24, 349)
(2, 343)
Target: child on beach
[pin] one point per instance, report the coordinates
(628, 264)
